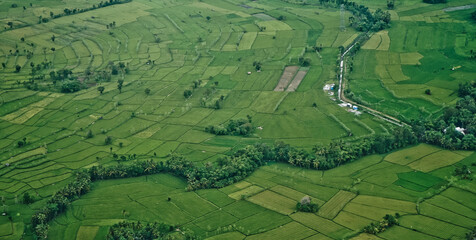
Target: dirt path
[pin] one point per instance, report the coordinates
(452, 9)
(343, 99)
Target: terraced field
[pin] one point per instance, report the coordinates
(263, 205)
(184, 65)
(426, 48)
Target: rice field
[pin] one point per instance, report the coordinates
(209, 47)
(422, 50)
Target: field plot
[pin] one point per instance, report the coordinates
(288, 75)
(144, 80)
(332, 207)
(296, 81)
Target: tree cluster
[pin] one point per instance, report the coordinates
(71, 11)
(443, 131)
(239, 127)
(305, 205)
(378, 227)
(463, 172)
(364, 20)
(150, 231)
(58, 203)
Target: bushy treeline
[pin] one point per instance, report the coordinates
(363, 19)
(378, 227)
(150, 231)
(58, 203)
(226, 171)
(434, 1)
(241, 127)
(242, 163)
(456, 128)
(71, 11)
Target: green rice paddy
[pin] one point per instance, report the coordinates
(168, 47)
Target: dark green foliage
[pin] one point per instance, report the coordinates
(363, 19)
(71, 86)
(471, 235)
(147, 91)
(187, 93)
(304, 62)
(27, 198)
(257, 65)
(390, 4)
(21, 143)
(242, 127)
(428, 92)
(442, 131)
(101, 89)
(17, 68)
(58, 203)
(90, 134)
(108, 140)
(473, 15)
(120, 82)
(464, 172)
(311, 207)
(137, 230)
(305, 205)
(434, 1)
(378, 227)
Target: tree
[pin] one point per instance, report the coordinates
(147, 91)
(208, 18)
(17, 68)
(257, 65)
(108, 140)
(27, 198)
(473, 15)
(304, 62)
(90, 134)
(53, 38)
(187, 93)
(390, 4)
(119, 85)
(305, 205)
(428, 92)
(21, 143)
(101, 89)
(22, 39)
(10, 24)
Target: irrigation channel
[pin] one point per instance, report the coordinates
(343, 99)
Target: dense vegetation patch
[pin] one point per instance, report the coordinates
(306, 205)
(241, 127)
(456, 128)
(149, 231)
(381, 226)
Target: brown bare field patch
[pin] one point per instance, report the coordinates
(296, 81)
(288, 74)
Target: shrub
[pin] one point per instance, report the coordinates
(305, 205)
(108, 140)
